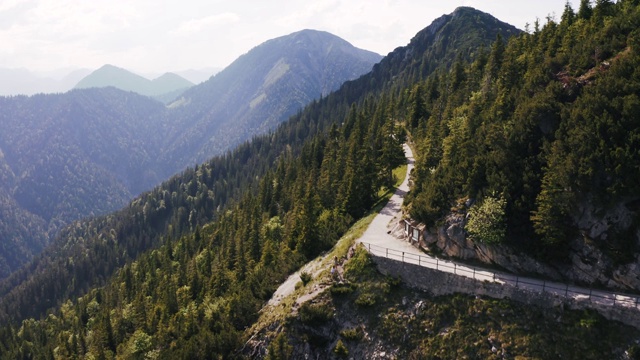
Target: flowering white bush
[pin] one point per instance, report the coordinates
(487, 220)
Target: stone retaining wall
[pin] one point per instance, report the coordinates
(441, 283)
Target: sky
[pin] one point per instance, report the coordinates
(156, 36)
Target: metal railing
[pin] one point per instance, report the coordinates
(482, 274)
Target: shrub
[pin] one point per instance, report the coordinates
(366, 299)
(305, 277)
(487, 221)
(340, 350)
(315, 314)
(340, 289)
(352, 334)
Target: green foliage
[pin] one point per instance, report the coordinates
(487, 220)
(539, 120)
(315, 314)
(366, 299)
(341, 289)
(341, 350)
(305, 277)
(279, 348)
(352, 334)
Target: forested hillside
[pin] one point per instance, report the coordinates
(177, 284)
(88, 152)
(258, 91)
(542, 132)
(64, 156)
(195, 295)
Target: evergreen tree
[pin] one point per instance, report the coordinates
(585, 10)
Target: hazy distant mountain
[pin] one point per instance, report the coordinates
(88, 151)
(259, 90)
(66, 156)
(109, 75)
(25, 82)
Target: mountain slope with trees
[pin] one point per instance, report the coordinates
(258, 91)
(70, 155)
(90, 151)
(541, 132)
(160, 279)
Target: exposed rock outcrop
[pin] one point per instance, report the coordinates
(588, 265)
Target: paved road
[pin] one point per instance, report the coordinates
(379, 240)
(378, 232)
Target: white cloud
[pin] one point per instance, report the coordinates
(196, 25)
(151, 35)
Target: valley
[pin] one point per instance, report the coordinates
(98, 148)
(525, 155)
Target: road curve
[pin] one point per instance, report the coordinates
(378, 239)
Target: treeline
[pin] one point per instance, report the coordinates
(86, 253)
(63, 156)
(194, 295)
(537, 130)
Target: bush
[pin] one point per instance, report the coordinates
(305, 277)
(487, 221)
(366, 299)
(341, 289)
(315, 314)
(352, 334)
(340, 350)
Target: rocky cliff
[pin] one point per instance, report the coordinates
(597, 256)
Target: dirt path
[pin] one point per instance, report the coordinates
(289, 286)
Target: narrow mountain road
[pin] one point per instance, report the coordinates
(380, 239)
(379, 231)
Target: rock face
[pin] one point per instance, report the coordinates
(588, 265)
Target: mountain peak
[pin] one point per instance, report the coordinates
(111, 75)
(267, 85)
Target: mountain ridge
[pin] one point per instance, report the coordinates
(241, 95)
(110, 75)
(213, 185)
(111, 145)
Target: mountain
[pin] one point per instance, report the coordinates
(260, 90)
(532, 122)
(109, 75)
(191, 262)
(89, 151)
(71, 155)
(25, 82)
(529, 155)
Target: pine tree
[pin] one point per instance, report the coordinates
(585, 10)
